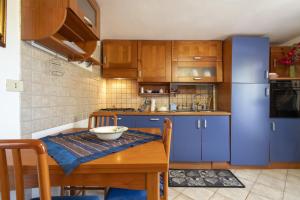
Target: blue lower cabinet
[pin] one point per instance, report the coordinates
(150, 122)
(125, 120)
(285, 140)
(215, 138)
(186, 139)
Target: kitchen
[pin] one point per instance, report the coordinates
(232, 97)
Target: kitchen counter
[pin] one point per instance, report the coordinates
(213, 113)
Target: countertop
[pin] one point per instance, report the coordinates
(213, 113)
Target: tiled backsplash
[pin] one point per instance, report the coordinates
(124, 93)
(49, 99)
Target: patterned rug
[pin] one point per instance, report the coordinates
(203, 178)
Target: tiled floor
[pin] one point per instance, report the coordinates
(260, 185)
(275, 184)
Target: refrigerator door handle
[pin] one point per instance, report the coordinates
(267, 74)
(273, 126)
(267, 92)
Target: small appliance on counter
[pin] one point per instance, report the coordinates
(162, 108)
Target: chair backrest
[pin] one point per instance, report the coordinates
(42, 165)
(98, 119)
(167, 135)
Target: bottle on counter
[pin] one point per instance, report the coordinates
(142, 90)
(153, 105)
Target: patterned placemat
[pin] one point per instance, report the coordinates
(203, 178)
(70, 150)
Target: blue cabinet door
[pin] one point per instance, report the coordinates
(215, 138)
(125, 120)
(150, 122)
(250, 124)
(186, 139)
(285, 140)
(250, 59)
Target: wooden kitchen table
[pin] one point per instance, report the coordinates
(134, 168)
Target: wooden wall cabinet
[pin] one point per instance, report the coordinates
(120, 59)
(57, 23)
(197, 51)
(277, 53)
(197, 61)
(154, 61)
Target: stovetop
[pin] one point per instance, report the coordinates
(118, 109)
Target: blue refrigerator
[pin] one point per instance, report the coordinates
(250, 125)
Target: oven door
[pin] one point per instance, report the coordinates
(285, 102)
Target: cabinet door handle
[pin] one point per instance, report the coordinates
(140, 73)
(119, 118)
(104, 59)
(87, 21)
(275, 63)
(267, 74)
(267, 92)
(154, 119)
(197, 78)
(197, 57)
(273, 126)
(205, 123)
(198, 124)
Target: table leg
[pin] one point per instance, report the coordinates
(153, 186)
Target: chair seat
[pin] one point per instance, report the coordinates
(125, 194)
(72, 198)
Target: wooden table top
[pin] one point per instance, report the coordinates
(149, 157)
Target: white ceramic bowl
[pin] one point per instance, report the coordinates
(109, 132)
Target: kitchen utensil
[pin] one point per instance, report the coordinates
(149, 91)
(109, 132)
(173, 107)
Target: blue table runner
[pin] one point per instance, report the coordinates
(70, 150)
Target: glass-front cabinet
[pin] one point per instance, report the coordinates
(197, 61)
(197, 72)
(88, 11)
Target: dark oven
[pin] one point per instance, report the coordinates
(285, 99)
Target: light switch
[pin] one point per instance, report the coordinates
(14, 86)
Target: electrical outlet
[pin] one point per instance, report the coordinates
(14, 86)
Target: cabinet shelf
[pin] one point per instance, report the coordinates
(284, 78)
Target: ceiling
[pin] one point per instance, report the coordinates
(199, 19)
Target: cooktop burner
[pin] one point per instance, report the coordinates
(118, 109)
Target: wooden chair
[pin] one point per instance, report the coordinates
(125, 194)
(98, 119)
(42, 166)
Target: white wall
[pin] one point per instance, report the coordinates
(10, 69)
(292, 41)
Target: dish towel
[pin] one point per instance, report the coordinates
(70, 150)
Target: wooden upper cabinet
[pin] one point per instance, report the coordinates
(197, 61)
(89, 12)
(277, 53)
(68, 27)
(197, 51)
(120, 59)
(154, 61)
